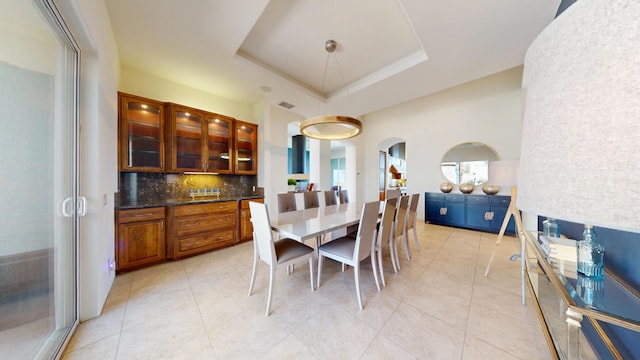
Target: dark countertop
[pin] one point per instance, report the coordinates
(128, 205)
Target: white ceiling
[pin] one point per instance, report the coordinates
(389, 51)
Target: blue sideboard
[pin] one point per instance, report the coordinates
(476, 212)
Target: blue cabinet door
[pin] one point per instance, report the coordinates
(499, 206)
(433, 203)
(455, 214)
(478, 207)
(433, 212)
(476, 217)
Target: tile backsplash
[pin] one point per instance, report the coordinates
(154, 186)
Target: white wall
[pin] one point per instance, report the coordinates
(487, 110)
(138, 83)
(89, 22)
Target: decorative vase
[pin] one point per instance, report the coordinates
(466, 188)
(446, 187)
(551, 228)
(590, 254)
(490, 189)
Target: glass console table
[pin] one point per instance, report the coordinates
(565, 300)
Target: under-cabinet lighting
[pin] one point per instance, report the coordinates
(199, 173)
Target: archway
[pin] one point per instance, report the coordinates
(392, 169)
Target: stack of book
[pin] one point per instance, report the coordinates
(558, 248)
(561, 253)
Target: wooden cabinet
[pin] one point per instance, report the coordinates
(158, 137)
(185, 138)
(199, 141)
(477, 212)
(140, 237)
(246, 228)
(141, 134)
(246, 148)
(195, 229)
(219, 132)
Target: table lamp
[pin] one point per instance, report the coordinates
(505, 173)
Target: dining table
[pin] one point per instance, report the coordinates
(302, 225)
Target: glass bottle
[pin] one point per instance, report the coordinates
(590, 254)
(551, 227)
(591, 290)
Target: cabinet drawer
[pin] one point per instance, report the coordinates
(435, 197)
(205, 208)
(500, 200)
(454, 198)
(213, 239)
(477, 200)
(135, 215)
(204, 222)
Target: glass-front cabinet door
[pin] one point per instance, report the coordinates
(219, 135)
(186, 138)
(246, 144)
(141, 134)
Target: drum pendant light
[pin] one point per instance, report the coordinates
(330, 127)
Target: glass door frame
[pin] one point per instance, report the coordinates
(73, 206)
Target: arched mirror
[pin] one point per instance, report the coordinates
(468, 163)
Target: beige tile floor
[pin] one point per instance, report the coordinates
(439, 306)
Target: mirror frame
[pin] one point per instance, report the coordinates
(468, 153)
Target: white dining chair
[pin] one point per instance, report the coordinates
(393, 193)
(352, 251)
(330, 198)
(287, 202)
(343, 195)
(400, 230)
(311, 199)
(278, 253)
(411, 220)
(384, 235)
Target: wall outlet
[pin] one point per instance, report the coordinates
(111, 264)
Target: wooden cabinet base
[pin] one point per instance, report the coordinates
(245, 228)
(140, 239)
(200, 228)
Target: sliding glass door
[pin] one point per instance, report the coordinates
(39, 206)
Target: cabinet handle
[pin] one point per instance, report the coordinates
(488, 215)
(192, 224)
(443, 211)
(141, 215)
(162, 226)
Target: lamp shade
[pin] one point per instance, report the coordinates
(580, 156)
(503, 172)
